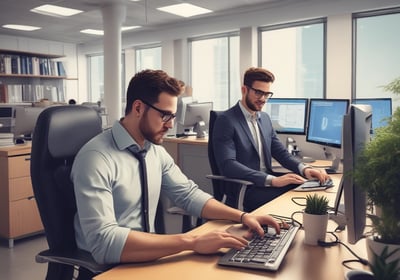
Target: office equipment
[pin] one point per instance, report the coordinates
(196, 118)
(59, 134)
(265, 253)
(314, 185)
(381, 110)
(224, 187)
(25, 121)
(357, 123)
(288, 115)
(6, 118)
(324, 126)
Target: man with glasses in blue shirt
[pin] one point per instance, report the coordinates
(244, 143)
(117, 200)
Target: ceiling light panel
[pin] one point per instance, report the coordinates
(184, 10)
(57, 11)
(21, 27)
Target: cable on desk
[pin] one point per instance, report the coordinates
(345, 262)
(293, 199)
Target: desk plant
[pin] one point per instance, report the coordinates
(315, 219)
(377, 172)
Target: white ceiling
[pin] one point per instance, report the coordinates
(142, 13)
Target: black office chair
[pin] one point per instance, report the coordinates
(228, 190)
(59, 134)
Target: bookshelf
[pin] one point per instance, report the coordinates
(31, 77)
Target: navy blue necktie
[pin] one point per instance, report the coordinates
(140, 155)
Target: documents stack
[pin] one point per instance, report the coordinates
(6, 139)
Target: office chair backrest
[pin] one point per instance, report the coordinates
(218, 186)
(59, 134)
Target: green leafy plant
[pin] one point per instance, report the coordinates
(382, 268)
(316, 205)
(377, 173)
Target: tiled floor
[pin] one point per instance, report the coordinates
(18, 263)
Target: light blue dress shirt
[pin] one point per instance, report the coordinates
(106, 180)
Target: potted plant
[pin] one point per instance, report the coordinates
(315, 219)
(377, 172)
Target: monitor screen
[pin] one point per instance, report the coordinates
(357, 124)
(325, 121)
(25, 121)
(197, 117)
(381, 110)
(288, 115)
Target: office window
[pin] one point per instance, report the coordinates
(96, 78)
(148, 58)
(295, 53)
(214, 66)
(377, 56)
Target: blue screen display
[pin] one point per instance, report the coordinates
(325, 121)
(381, 110)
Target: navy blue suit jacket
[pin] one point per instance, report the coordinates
(235, 150)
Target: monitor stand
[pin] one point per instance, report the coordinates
(201, 129)
(334, 169)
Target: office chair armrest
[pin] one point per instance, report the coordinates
(243, 185)
(223, 178)
(76, 258)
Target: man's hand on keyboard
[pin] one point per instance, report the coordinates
(211, 242)
(254, 224)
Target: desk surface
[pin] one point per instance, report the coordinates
(301, 262)
(187, 140)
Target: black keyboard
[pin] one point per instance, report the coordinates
(262, 253)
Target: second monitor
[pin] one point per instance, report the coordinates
(195, 118)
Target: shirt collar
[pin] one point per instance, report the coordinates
(247, 114)
(123, 139)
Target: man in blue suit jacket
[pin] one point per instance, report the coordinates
(244, 151)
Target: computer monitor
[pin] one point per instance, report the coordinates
(25, 121)
(325, 121)
(288, 115)
(196, 118)
(381, 110)
(357, 124)
(6, 118)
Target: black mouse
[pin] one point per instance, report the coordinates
(19, 141)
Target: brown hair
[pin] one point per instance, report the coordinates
(147, 86)
(257, 74)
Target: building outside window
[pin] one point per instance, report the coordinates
(295, 53)
(214, 69)
(148, 58)
(376, 53)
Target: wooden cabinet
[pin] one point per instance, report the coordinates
(30, 77)
(19, 215)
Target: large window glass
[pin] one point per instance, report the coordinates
(148, 58)
(295, 53)
(377, 56)
(214, 66)
(96, 78)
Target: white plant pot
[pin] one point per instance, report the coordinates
(314, 228)
(377, 248)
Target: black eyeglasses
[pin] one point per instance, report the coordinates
(166, 116)
(260, 93)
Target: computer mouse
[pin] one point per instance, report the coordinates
(19, 141)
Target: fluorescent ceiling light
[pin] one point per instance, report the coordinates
(126, 28)
(184, 10)
(52, 10)
(93, 31)
(101, 32)
(21, 27)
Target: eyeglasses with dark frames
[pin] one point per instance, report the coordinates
(166, 116)
(260, 93)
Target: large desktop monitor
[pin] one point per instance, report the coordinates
(381, 110)
(195, 118)
(288, 115)
(357, 124)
